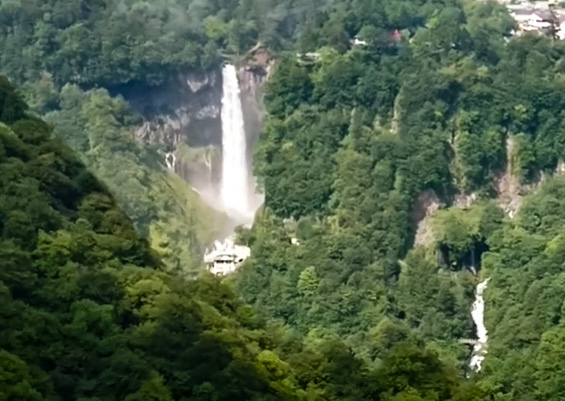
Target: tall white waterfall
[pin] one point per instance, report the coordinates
(237, 193)
(478, 314)
(234, 188)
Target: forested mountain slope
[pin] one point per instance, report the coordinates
(440, 103)
(89, 314)
(525, 300)
(163, 207)
(355, 134)
(58, 50)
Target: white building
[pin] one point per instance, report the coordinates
(532, 20)
(226, 257)
(561, 25)
(358, 42)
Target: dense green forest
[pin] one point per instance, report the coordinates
(164, 208)
(58, 51)
(440, 100)
(356, 134)
(102, 43)
(88, 312)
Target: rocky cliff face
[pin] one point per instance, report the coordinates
(252, 77)
(185, 110)
(184, 117)
(251, 81)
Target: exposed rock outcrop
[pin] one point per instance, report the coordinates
(464, 201)
(426, 205)
(251, 80)
(507, 184)
(186, 109)
(252, 76)
(510, 191)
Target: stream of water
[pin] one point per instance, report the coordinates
(170, 161)
(478, 314)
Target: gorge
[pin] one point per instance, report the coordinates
(206, 124)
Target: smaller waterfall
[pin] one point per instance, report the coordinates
(171, 161)
(478, 314)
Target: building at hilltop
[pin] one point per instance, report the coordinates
(533, 20)
(539, 18)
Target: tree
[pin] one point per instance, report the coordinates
(308, 281)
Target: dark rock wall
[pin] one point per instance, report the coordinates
(186, 109)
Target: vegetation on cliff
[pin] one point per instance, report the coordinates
(163, 207)
(353, 135)
(89, 314)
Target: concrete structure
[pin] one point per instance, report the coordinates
(533, 20)
(468, 341)
(560, 24)
(226, 257)
(357, 41)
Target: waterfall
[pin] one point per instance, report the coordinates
(237, 190)
(478, 314)
(170, 161)
(234, 190)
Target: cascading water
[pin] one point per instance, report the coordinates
(234, 189)
(478, 314)
(170, 161)
(237, 193)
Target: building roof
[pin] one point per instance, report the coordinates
(226, 251)
(543, 14)
(525, 4)
(523, 11)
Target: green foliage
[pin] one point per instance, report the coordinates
(89, 312)
(161, 205)
(12, 106)
(353, 136)
(461, 230)
(299, 174)
(308, 281)
(15, 379)
(101, 43)
(413, 374)
(452, 108)
(435, 303)
(526, 294)
(106, 44)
